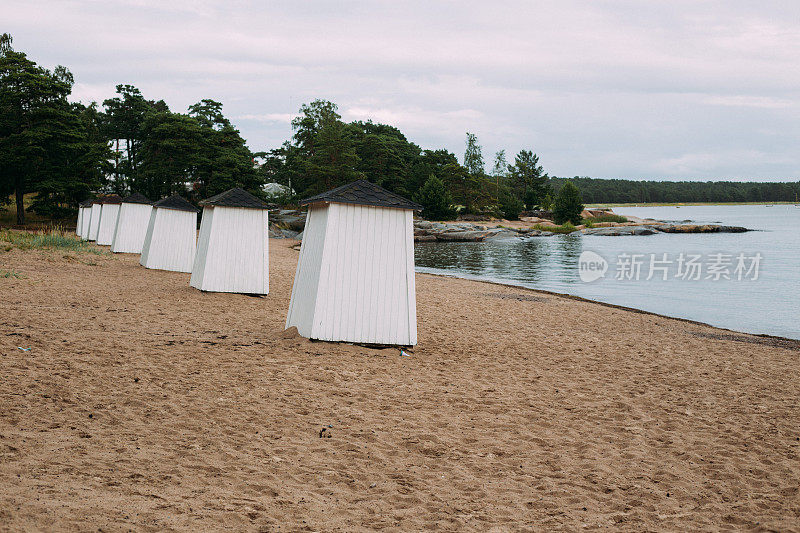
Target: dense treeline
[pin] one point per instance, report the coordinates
(66, 152)
(325, 152)
(601, 191)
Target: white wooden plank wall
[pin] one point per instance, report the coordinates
(233, 251)
(131, 228)
(365, 292)
(108, 221)
(199, 265)
(411, 283)
(94, 222)
(85, 221)
(171, 240)
(148, 238)
(306, 278)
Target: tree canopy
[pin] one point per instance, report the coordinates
(47, 145)
(568, 205)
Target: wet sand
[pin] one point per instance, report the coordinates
(145, 404)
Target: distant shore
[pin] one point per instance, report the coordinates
(681, 204)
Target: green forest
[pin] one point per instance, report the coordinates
(615, 191)
(63, 152)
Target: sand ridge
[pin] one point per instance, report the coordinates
(145, 404)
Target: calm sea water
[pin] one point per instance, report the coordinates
(768, 304)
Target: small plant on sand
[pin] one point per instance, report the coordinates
(70, 257)
(11, 274)
(52, 239)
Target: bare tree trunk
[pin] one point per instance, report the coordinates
(20, 203)
(116, 163)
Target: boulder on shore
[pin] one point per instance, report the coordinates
(699, 228)
(501, 235)
(462, 236)
(535, 220)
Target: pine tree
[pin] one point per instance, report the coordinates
(568, 205)
(528, 178)
(45, 145)
(510, 206)
(435, 200)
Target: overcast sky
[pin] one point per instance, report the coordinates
(696, 89)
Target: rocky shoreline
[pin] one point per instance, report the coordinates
(289, 224)
(425, 231)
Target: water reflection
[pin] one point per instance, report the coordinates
(568, 250)
(769, 305)
(464, 257)
(531, 259)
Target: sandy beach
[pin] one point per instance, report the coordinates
(144, 404)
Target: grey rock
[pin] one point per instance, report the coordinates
(700, 228)
(501, 235)
(607, 232)
(616, 231)
(275, 232)
(461, 236)
(732, 229)
(293, 221)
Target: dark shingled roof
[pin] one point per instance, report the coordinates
(176, 202)
(110, 199)
(137, 198)
(235, 197)
(363, 192)
(86, 203)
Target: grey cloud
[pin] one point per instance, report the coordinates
(612, 88)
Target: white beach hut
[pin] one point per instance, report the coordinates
(80, 218)
(233, 248)
(355, 276)
(108, 218)
(171, 238)
(131, 228)
(94, 219)
(85, 217)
